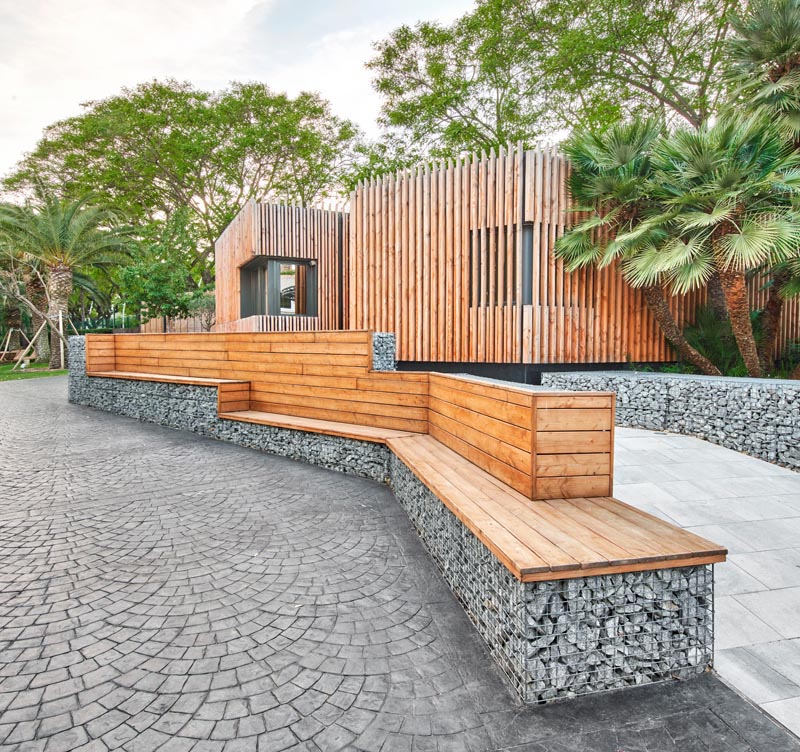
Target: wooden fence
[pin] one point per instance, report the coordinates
(439, 256)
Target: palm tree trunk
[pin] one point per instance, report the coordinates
(716, 297)
(654, 297)
(37, 295)
(14, 323)
(735, 287)
(771, 319)
(59, 285)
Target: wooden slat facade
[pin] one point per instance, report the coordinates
(457, 259)
(283, 232)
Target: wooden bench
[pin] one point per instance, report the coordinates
(529, 472)
(553, 539)
(232, 394)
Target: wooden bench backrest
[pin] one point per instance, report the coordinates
(542, 444)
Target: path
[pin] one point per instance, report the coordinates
(163, 591)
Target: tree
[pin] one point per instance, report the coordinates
(609, 179)
(66, 237)
(714, 200)
(165, 151)
(764, 76)
(522, 69)
(472, 85)
(623, 60)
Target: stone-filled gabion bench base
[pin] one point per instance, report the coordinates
(553, 639)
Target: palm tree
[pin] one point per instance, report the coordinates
(712, 201)
(609, 180)
(722, 205)
(66, 237)
(764, 76)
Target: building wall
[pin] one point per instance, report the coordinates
(288, 232)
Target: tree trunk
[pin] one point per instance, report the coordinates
(37, 295)
(14, 323)
(654, 297)
(735, 287)
(771, 319)
(59, 285)
(716, 297)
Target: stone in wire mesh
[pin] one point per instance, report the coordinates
(563, 638)
(552, 639)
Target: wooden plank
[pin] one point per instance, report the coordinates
(570, 487)
(566, 442)
(565, 465)
(332, 428)
(573, 419)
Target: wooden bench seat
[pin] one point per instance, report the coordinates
(559, 538)
(333, 428)
(164, 378)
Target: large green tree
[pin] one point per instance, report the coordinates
(514, 70)
(165, 149)
(65, 238)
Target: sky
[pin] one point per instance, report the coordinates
(56, 54)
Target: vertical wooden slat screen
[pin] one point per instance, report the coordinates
(435, 254)
(289, 232)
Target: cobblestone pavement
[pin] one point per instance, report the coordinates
(163, 591)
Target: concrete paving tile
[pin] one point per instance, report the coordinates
(782, 656)
(775, 569)
(724, 535)
(787, 712)
(751, 676)
(731, 579)
(736, 626)
(778, 608)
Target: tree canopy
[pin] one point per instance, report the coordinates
(165, 149)
(514, 70)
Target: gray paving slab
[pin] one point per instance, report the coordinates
(753, 508)
(163, 591)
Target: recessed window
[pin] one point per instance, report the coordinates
(279, 287)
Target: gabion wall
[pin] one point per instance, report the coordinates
(760, 417)
(564, 638)
(194, 408)
(552, 639)
(384, 347)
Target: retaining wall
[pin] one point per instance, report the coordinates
(552, 639)
(760, 417)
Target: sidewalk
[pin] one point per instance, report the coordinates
(753, 508)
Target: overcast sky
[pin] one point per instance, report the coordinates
(55, 54)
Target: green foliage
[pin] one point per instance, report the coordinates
(165, 152)
(607, 60)
(204, 306)
(679, 206)
(764, 62)
(157, 286)
(472, 85)
(518, 70)
(713, 337)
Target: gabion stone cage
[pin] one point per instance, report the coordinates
(564, 638)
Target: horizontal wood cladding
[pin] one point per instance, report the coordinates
(542, 444)
(573, 446)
